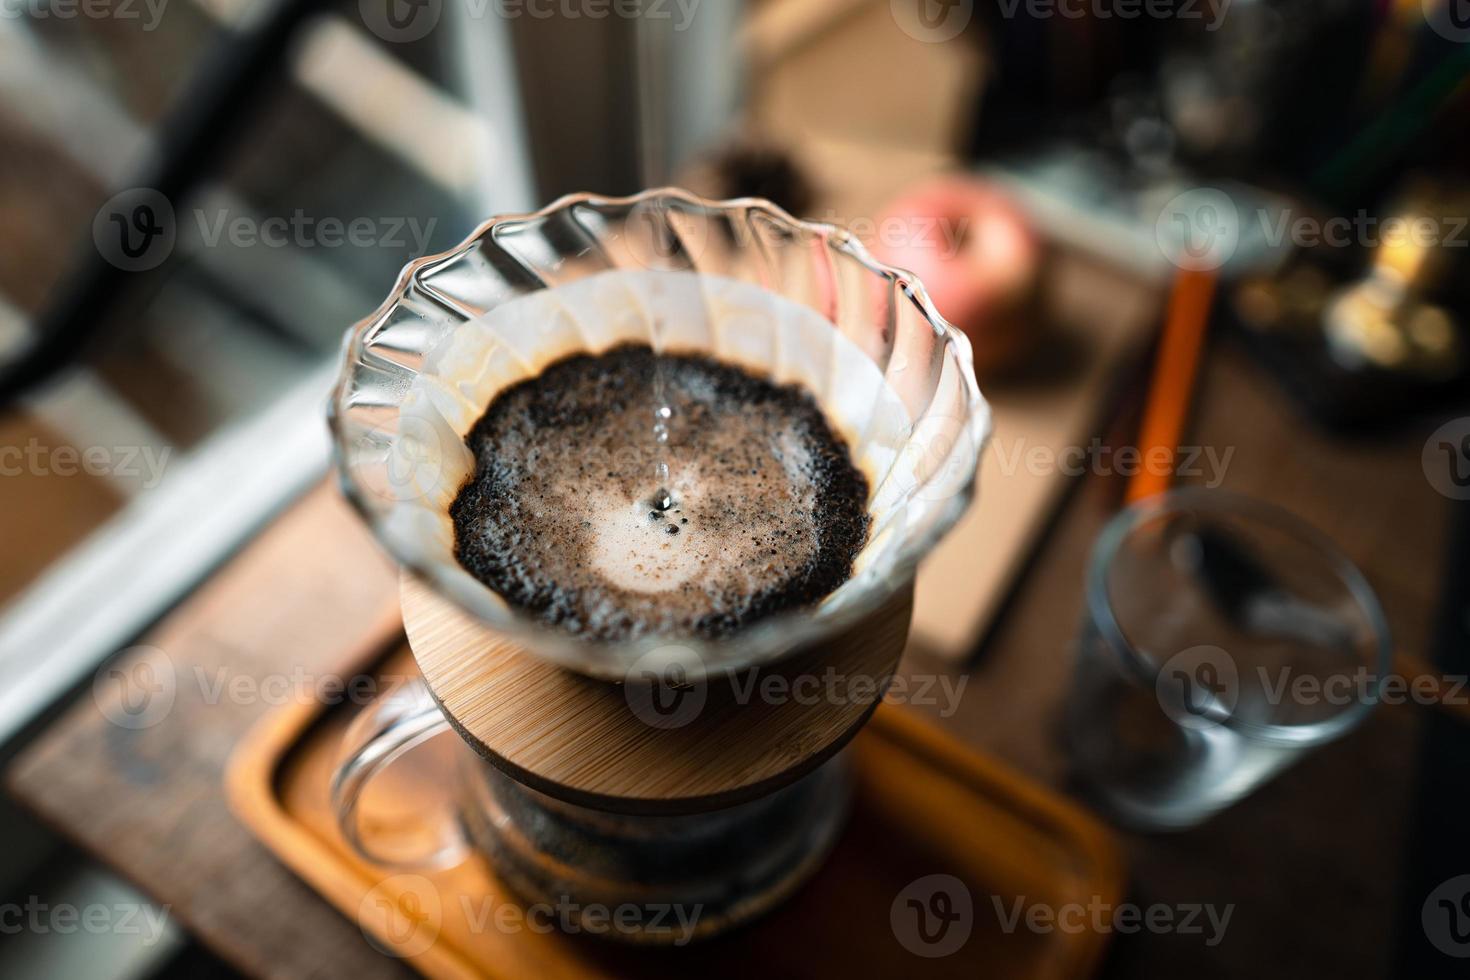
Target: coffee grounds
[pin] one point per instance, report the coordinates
(563, 518)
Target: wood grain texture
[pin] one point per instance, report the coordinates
(579, 739)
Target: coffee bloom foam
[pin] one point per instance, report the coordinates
(755, 507)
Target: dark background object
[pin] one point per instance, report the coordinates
(1438, 846)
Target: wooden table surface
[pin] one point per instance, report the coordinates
(1310, 861)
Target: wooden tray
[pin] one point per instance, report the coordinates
(924, 805)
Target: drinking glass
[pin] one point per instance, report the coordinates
(1223, 639)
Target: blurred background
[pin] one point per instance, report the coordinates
(199, 196)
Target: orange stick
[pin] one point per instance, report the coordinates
(1171, 389)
